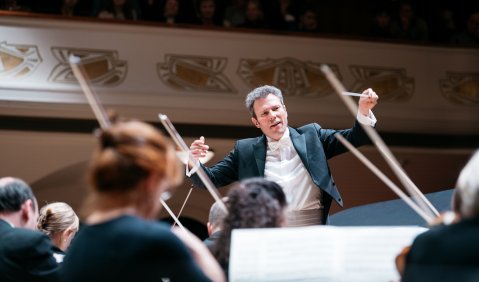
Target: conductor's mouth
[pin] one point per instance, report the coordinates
(275, 124)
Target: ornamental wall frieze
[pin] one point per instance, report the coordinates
(104, 68)
(392, 84)
(195, 73)
(18, 60)
(461, 88)
(294, 77)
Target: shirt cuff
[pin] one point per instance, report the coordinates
(370, 119)
(193, 170)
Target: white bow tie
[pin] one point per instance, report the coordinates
(281, 143)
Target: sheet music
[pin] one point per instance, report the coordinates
(318, 253)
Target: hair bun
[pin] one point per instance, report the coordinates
(107, 139)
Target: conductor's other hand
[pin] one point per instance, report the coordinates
(198, 148)
(367, 101)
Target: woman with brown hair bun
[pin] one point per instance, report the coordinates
(131, 169)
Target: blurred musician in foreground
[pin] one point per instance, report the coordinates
(451, 252)
(131, 169)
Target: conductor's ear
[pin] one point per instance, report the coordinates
(255, 122)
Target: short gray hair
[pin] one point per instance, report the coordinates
(217, 213)
(13, 193)
(261, 92)
(467, 187)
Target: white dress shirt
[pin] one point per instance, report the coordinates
(284, 166)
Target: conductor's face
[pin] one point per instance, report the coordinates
(271, 116)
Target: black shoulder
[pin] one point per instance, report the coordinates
(247, 142)
(309, 127)
(26, 235)
(24, 240)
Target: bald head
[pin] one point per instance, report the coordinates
(217, 214)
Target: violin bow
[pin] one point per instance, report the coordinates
(413, 190)
(100, 113)
(384, 178)
(184, 204)
(191, 161)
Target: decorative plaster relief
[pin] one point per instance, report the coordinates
(18, 61)
(104, 68)
(195, 73)
(461, 88)
(292, 76)
(391, 84)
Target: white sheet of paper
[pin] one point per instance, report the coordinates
(318, 253)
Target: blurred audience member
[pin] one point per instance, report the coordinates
(235, 13)
(443, 26)
(13, 5)
(118, 9)
(287, 18)
(151, 9)
(471, 34)
(25, 254)
(381, 23)
(68, 8)
(132, 167)
(60, 223)
(171, 11)
(254, 17)
(407, 26)
(308, 20)
(206, 13)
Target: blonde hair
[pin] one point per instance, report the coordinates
(57, 217)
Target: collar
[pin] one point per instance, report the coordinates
(284, 141)
(8, 222)
(285, 136)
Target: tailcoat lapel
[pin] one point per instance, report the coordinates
(299, 143)
(259, 151)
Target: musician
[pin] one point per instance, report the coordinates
(451, 252)
(25, 254)
(215, 223)
(296, 158)
(129, 172)
(59, 222)
(252, 203)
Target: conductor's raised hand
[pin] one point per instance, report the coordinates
(367, 101)
(198, 148)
